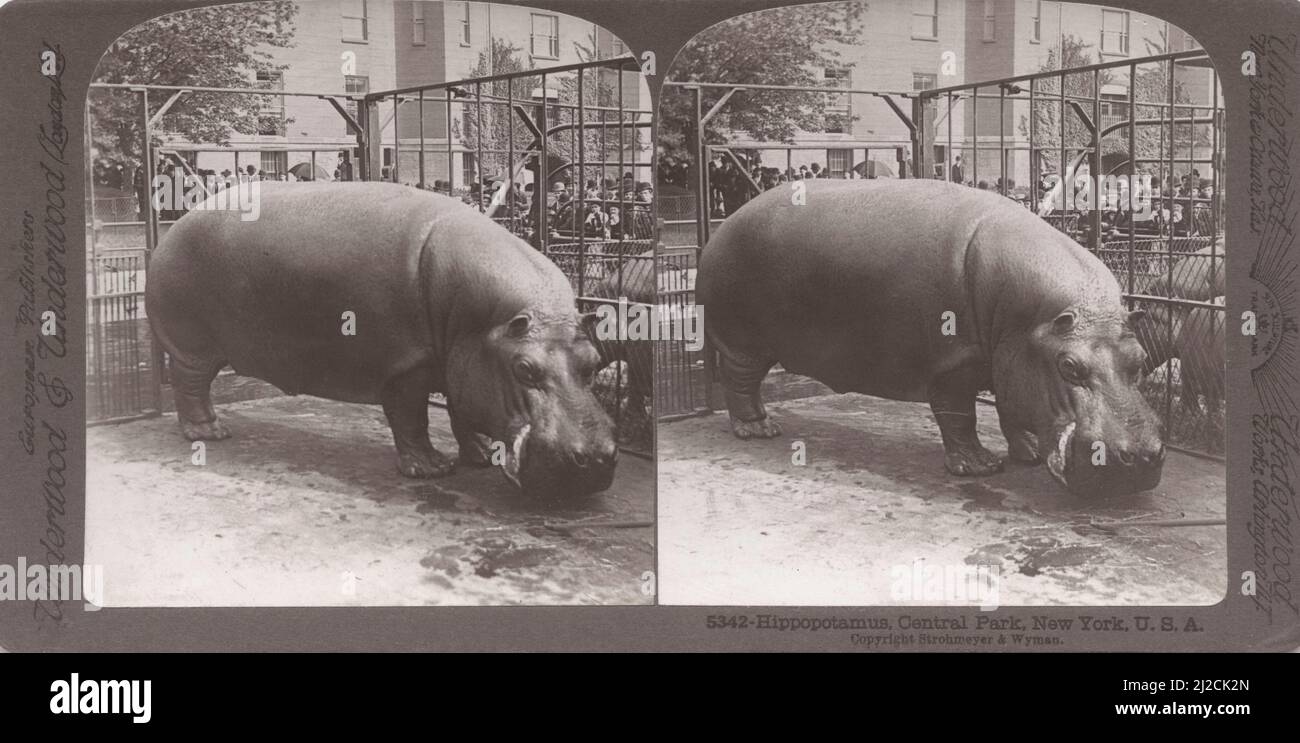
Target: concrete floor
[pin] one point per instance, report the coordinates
(303, 506)
(741, 524)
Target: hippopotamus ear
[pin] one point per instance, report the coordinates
(518, 326)
(1135, 317)
(1063, 323)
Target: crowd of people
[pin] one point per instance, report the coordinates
(1180, 205)
(610, 208)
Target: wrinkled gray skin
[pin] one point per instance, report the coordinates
(851, 288)
(637, 284)
(1196, 338)
(444, 300)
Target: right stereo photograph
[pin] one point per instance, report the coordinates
(959, 268)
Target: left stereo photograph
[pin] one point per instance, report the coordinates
(357, 279)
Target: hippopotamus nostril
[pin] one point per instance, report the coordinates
(608, 457)
(1155, 457)
(579, 459)
(1125, 454)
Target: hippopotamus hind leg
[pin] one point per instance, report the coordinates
(742, 376)
(952, 400)
(406, 406)
(192, 390)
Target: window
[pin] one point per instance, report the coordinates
(468, 170)
(417, 23)
(464, 24)
(837, 106)
(1114, 108)
(356, 27)
(1114, 32)
(924, 81)
(925, 19)
(838, 163)
(990, 20)
(271, 120)
(545, 36)
(1190, 44)
(273, 164)
(355, 84)
(1036, 31)
(620, 49)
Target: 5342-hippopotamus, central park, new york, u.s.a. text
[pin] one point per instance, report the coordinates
(443, 300)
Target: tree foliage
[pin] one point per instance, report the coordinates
(221, 46)
(599, 89)
(1151, 86)
(782, 46)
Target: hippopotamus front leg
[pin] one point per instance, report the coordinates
(192, 391)
(952, 400)
(742, 376)
(406, 406)
(1022, 446)
(473, 445)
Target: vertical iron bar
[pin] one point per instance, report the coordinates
(478, 156)
(423, 181)
(1169, 260)
(543, 172)
(451, 172)
(1132, 180)
(579, 183)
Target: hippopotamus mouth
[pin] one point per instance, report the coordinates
(550, 474)
(1069, 462)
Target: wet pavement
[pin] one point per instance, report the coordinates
(303, 506)
(741, 524)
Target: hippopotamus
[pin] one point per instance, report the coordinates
(1193, 335)
(636, 283)
(926, 291)
(440, 299)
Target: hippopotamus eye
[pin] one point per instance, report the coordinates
(527, 372)
(1072, 370)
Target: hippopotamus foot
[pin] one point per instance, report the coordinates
(952, 400)
(474, 450)
(763, 428)
(972, 460)
(406, 405)
(1022, 446)
(741, 378)
(425, 464)
(213, 430)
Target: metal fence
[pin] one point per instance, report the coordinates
(556, 129)
(1033, 138)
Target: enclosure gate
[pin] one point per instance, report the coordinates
(1074, 139)
(569, 133)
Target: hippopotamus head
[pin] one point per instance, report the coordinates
(527, 384)
(1079, 380)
